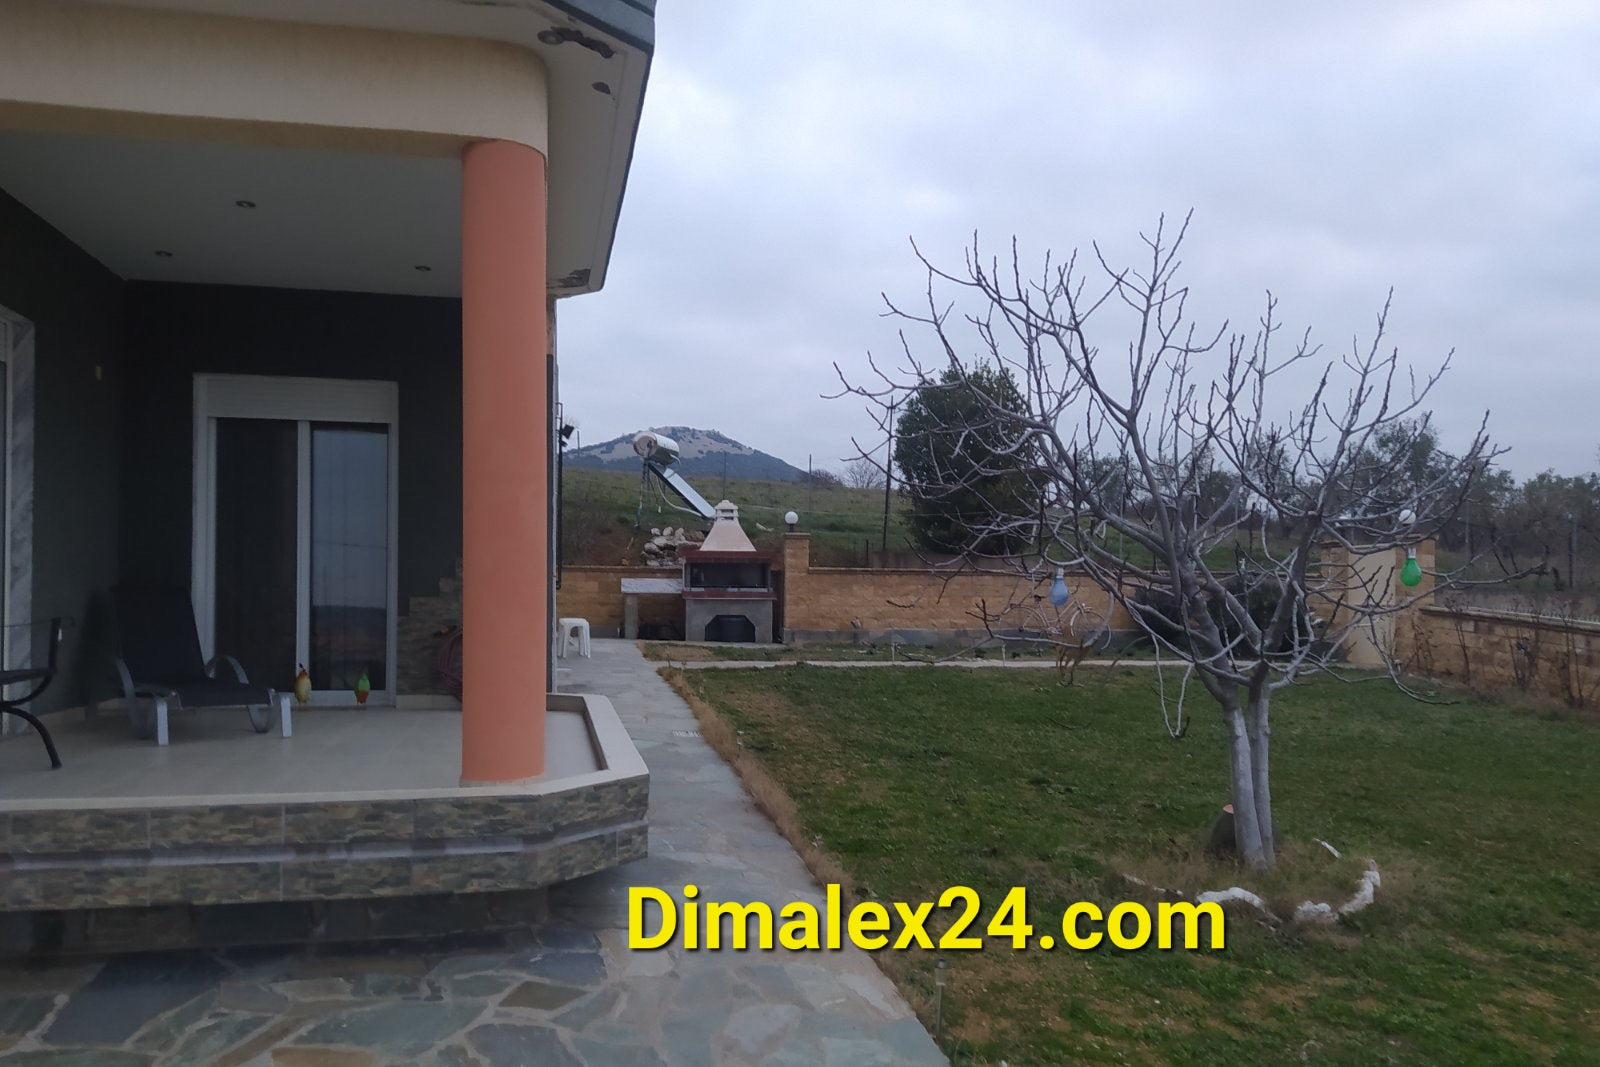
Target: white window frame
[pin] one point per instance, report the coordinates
(16, 452)
(302, 401)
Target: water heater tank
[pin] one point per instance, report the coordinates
(659, 447)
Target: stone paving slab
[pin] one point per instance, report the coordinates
(567, 994)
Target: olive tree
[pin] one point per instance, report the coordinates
(944, 432)
(1166, 454)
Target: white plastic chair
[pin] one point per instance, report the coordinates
(574, 634)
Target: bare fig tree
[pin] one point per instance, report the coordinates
(1181, 476)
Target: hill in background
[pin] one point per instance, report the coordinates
(703, 455)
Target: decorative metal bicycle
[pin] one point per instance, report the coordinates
(1073, 631)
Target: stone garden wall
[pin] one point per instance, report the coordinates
(834, 603)
(1546, 654)
(595, 593)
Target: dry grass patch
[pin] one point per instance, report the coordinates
(675, 652)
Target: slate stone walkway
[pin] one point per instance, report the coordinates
(568, 994)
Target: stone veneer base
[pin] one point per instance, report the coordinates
(331, 847)
(96, 931)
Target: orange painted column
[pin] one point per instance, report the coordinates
(504, 453)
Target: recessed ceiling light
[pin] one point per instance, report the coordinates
(163, 253)
(601, 87)
(423, 267)
(245, 203)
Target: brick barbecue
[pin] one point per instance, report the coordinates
(727, 585)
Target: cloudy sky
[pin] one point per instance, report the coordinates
(788, 151)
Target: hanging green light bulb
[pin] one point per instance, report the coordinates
(1411, 573)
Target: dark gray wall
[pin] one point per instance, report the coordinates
(176, 331)
(76, 307)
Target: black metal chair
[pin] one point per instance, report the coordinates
(161, 666)
(42, 676)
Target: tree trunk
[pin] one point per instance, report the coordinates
(1241, 769)
(1260, 767)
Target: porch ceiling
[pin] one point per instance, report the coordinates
(321, 220)
(355, 222)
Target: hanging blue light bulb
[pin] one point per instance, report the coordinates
(1059, 593)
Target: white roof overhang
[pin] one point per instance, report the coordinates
(358, 220)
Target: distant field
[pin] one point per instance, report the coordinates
(601, 508)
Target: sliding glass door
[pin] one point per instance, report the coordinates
(349, 607)
(257, 463)
(295, 535)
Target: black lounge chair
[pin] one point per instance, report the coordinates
(41, 675)
(161, 667)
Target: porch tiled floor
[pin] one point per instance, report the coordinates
(215, 754)
(570, 993)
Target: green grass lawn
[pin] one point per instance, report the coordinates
(872, 652)
(1483, 946)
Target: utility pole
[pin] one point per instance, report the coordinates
(888, 475)
(1572, 554)
(811, 482)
